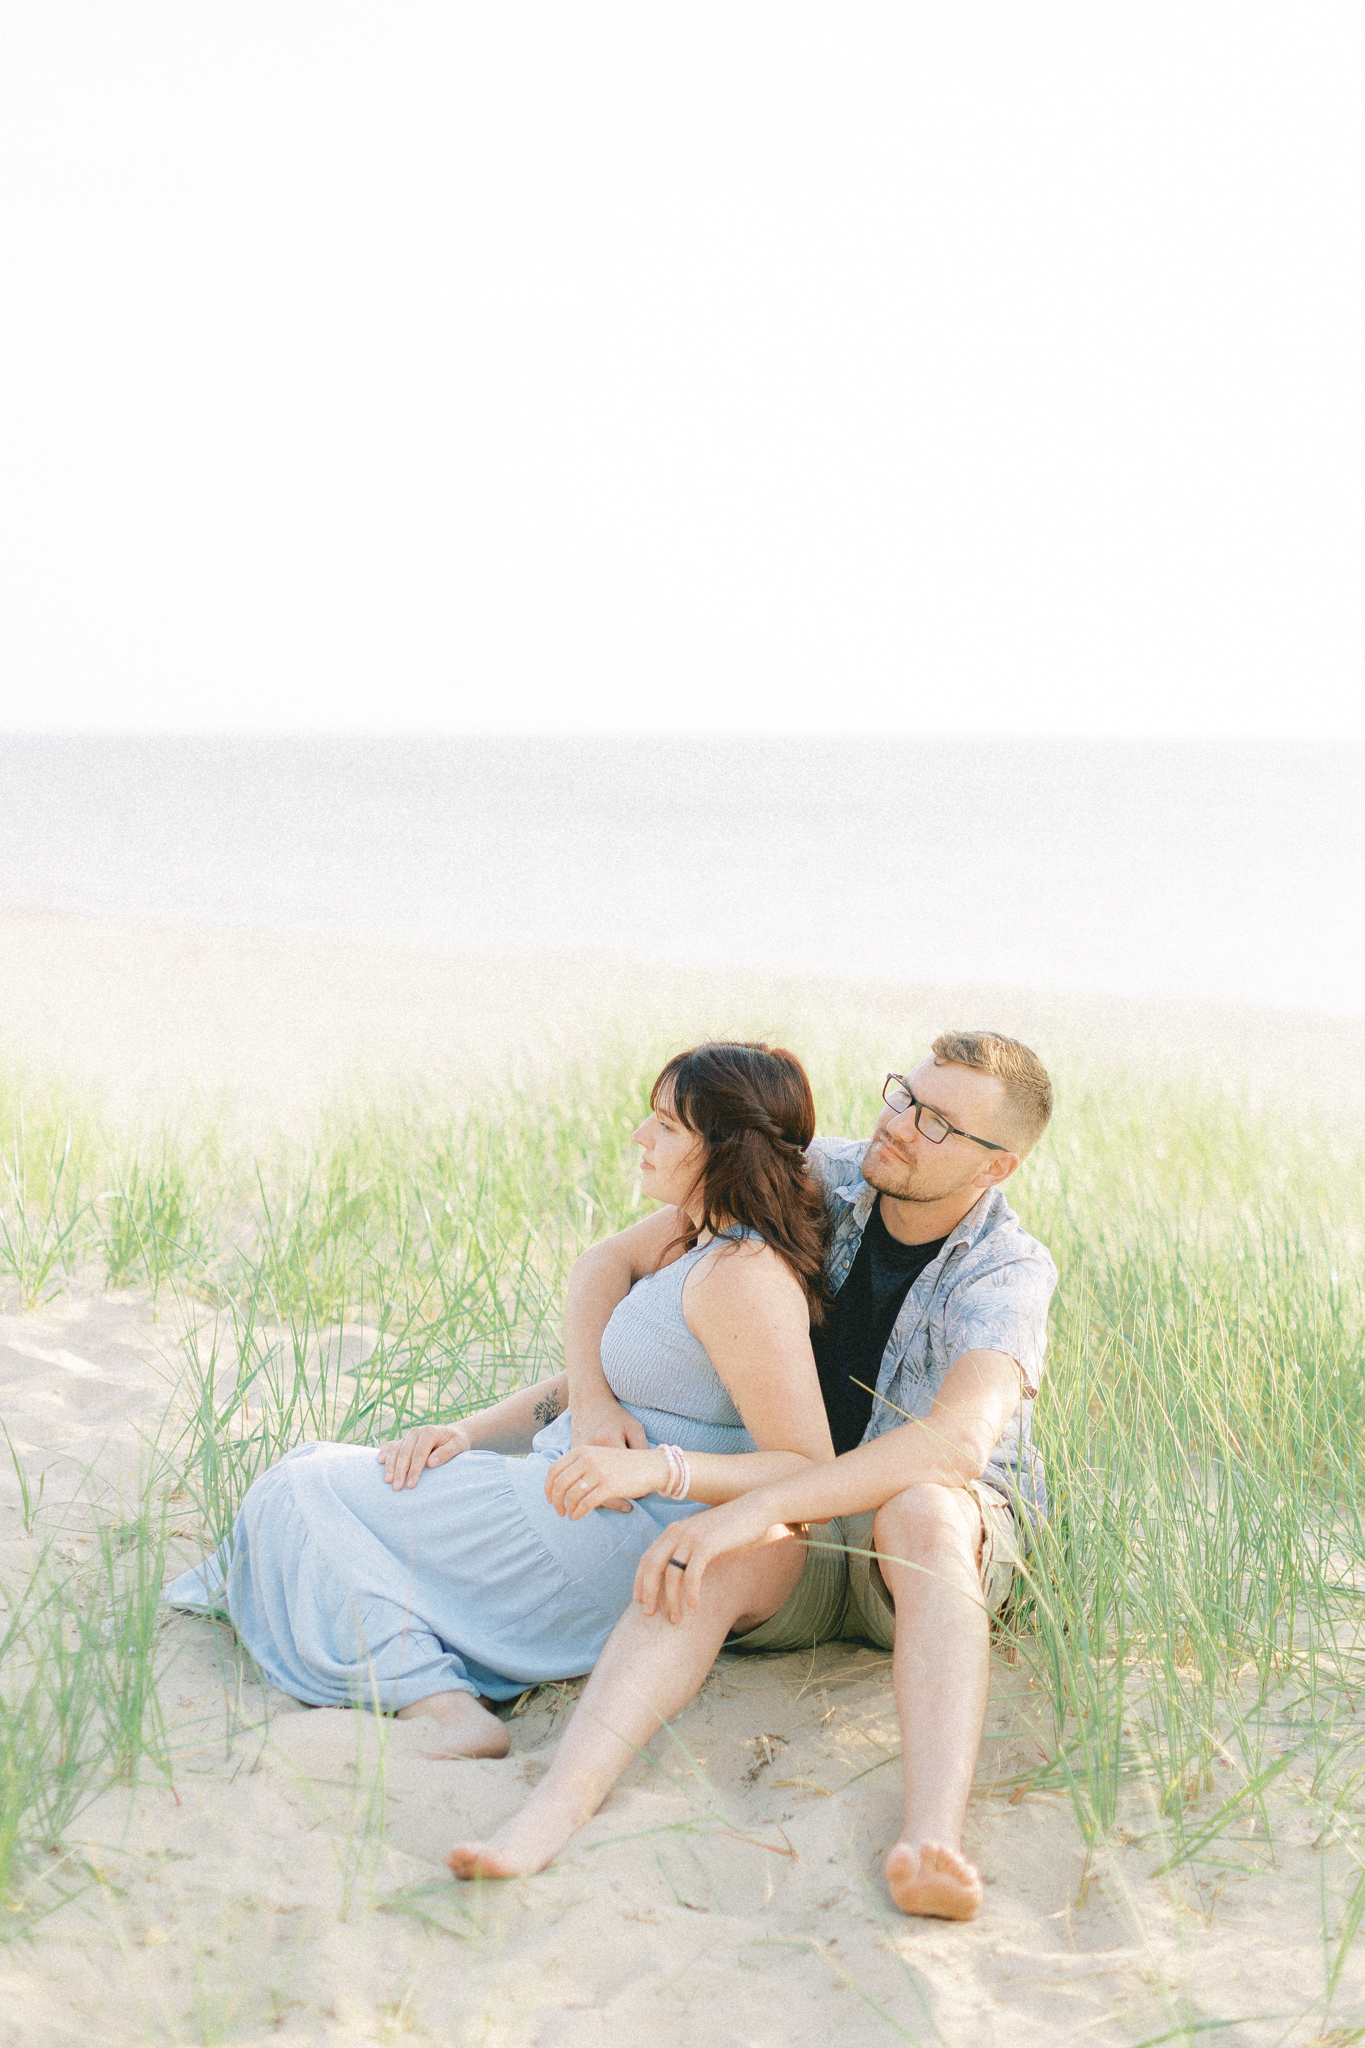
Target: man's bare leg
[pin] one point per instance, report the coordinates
(464, 1726)
(648, 1672)
(941, 1673)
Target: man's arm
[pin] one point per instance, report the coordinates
(946, 1447)
(599, 1280)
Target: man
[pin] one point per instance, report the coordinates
(929, 1362)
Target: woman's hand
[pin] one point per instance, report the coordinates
(600, 1419)
(694, 1544)
(598, 1477)
(434, 1443)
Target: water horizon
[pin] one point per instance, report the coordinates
(1223, 871)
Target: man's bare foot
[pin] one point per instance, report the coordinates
(522, 1845)
(464, 1727)
(924, 1877)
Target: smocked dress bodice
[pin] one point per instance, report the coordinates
(661, 1372)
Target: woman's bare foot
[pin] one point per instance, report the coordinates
(480, 1859)
(466, 1728)
(924, 1877)
(522, 1845)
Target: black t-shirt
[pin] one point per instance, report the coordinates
(849, 1344)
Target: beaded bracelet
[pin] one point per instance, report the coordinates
(679, 1473)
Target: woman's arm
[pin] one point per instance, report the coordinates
(750, 1313)
(599, 1280)
(508, 1425)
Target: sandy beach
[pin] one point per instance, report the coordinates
(538, 539)
(287, 1882)
(153, 1022)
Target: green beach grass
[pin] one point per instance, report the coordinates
(1192, 1611)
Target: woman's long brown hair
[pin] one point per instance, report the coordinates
(752, 1108)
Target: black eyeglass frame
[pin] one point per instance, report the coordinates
(918, 1106)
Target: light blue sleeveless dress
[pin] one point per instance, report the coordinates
(347, 1592)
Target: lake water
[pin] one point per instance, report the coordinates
(1220, 871)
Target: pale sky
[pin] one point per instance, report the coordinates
(726, 366)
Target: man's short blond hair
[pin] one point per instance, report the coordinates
(1027, 1087)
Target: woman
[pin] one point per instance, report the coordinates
(442, 1576)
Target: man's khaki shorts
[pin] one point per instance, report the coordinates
(841, 1592)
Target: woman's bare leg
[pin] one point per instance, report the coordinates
(466, 1728)
(647, 1673)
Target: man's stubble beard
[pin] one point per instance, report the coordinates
(907, 1191)
(903, 1191)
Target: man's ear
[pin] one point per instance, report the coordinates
(1000, 1167)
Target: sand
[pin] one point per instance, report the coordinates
(289, 1884)
(165, 1022)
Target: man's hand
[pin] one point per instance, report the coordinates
(596, 1477)
(604, 1421)
(434, 1443)
(694, 1544)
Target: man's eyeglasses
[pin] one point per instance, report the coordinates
(898, 1098)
